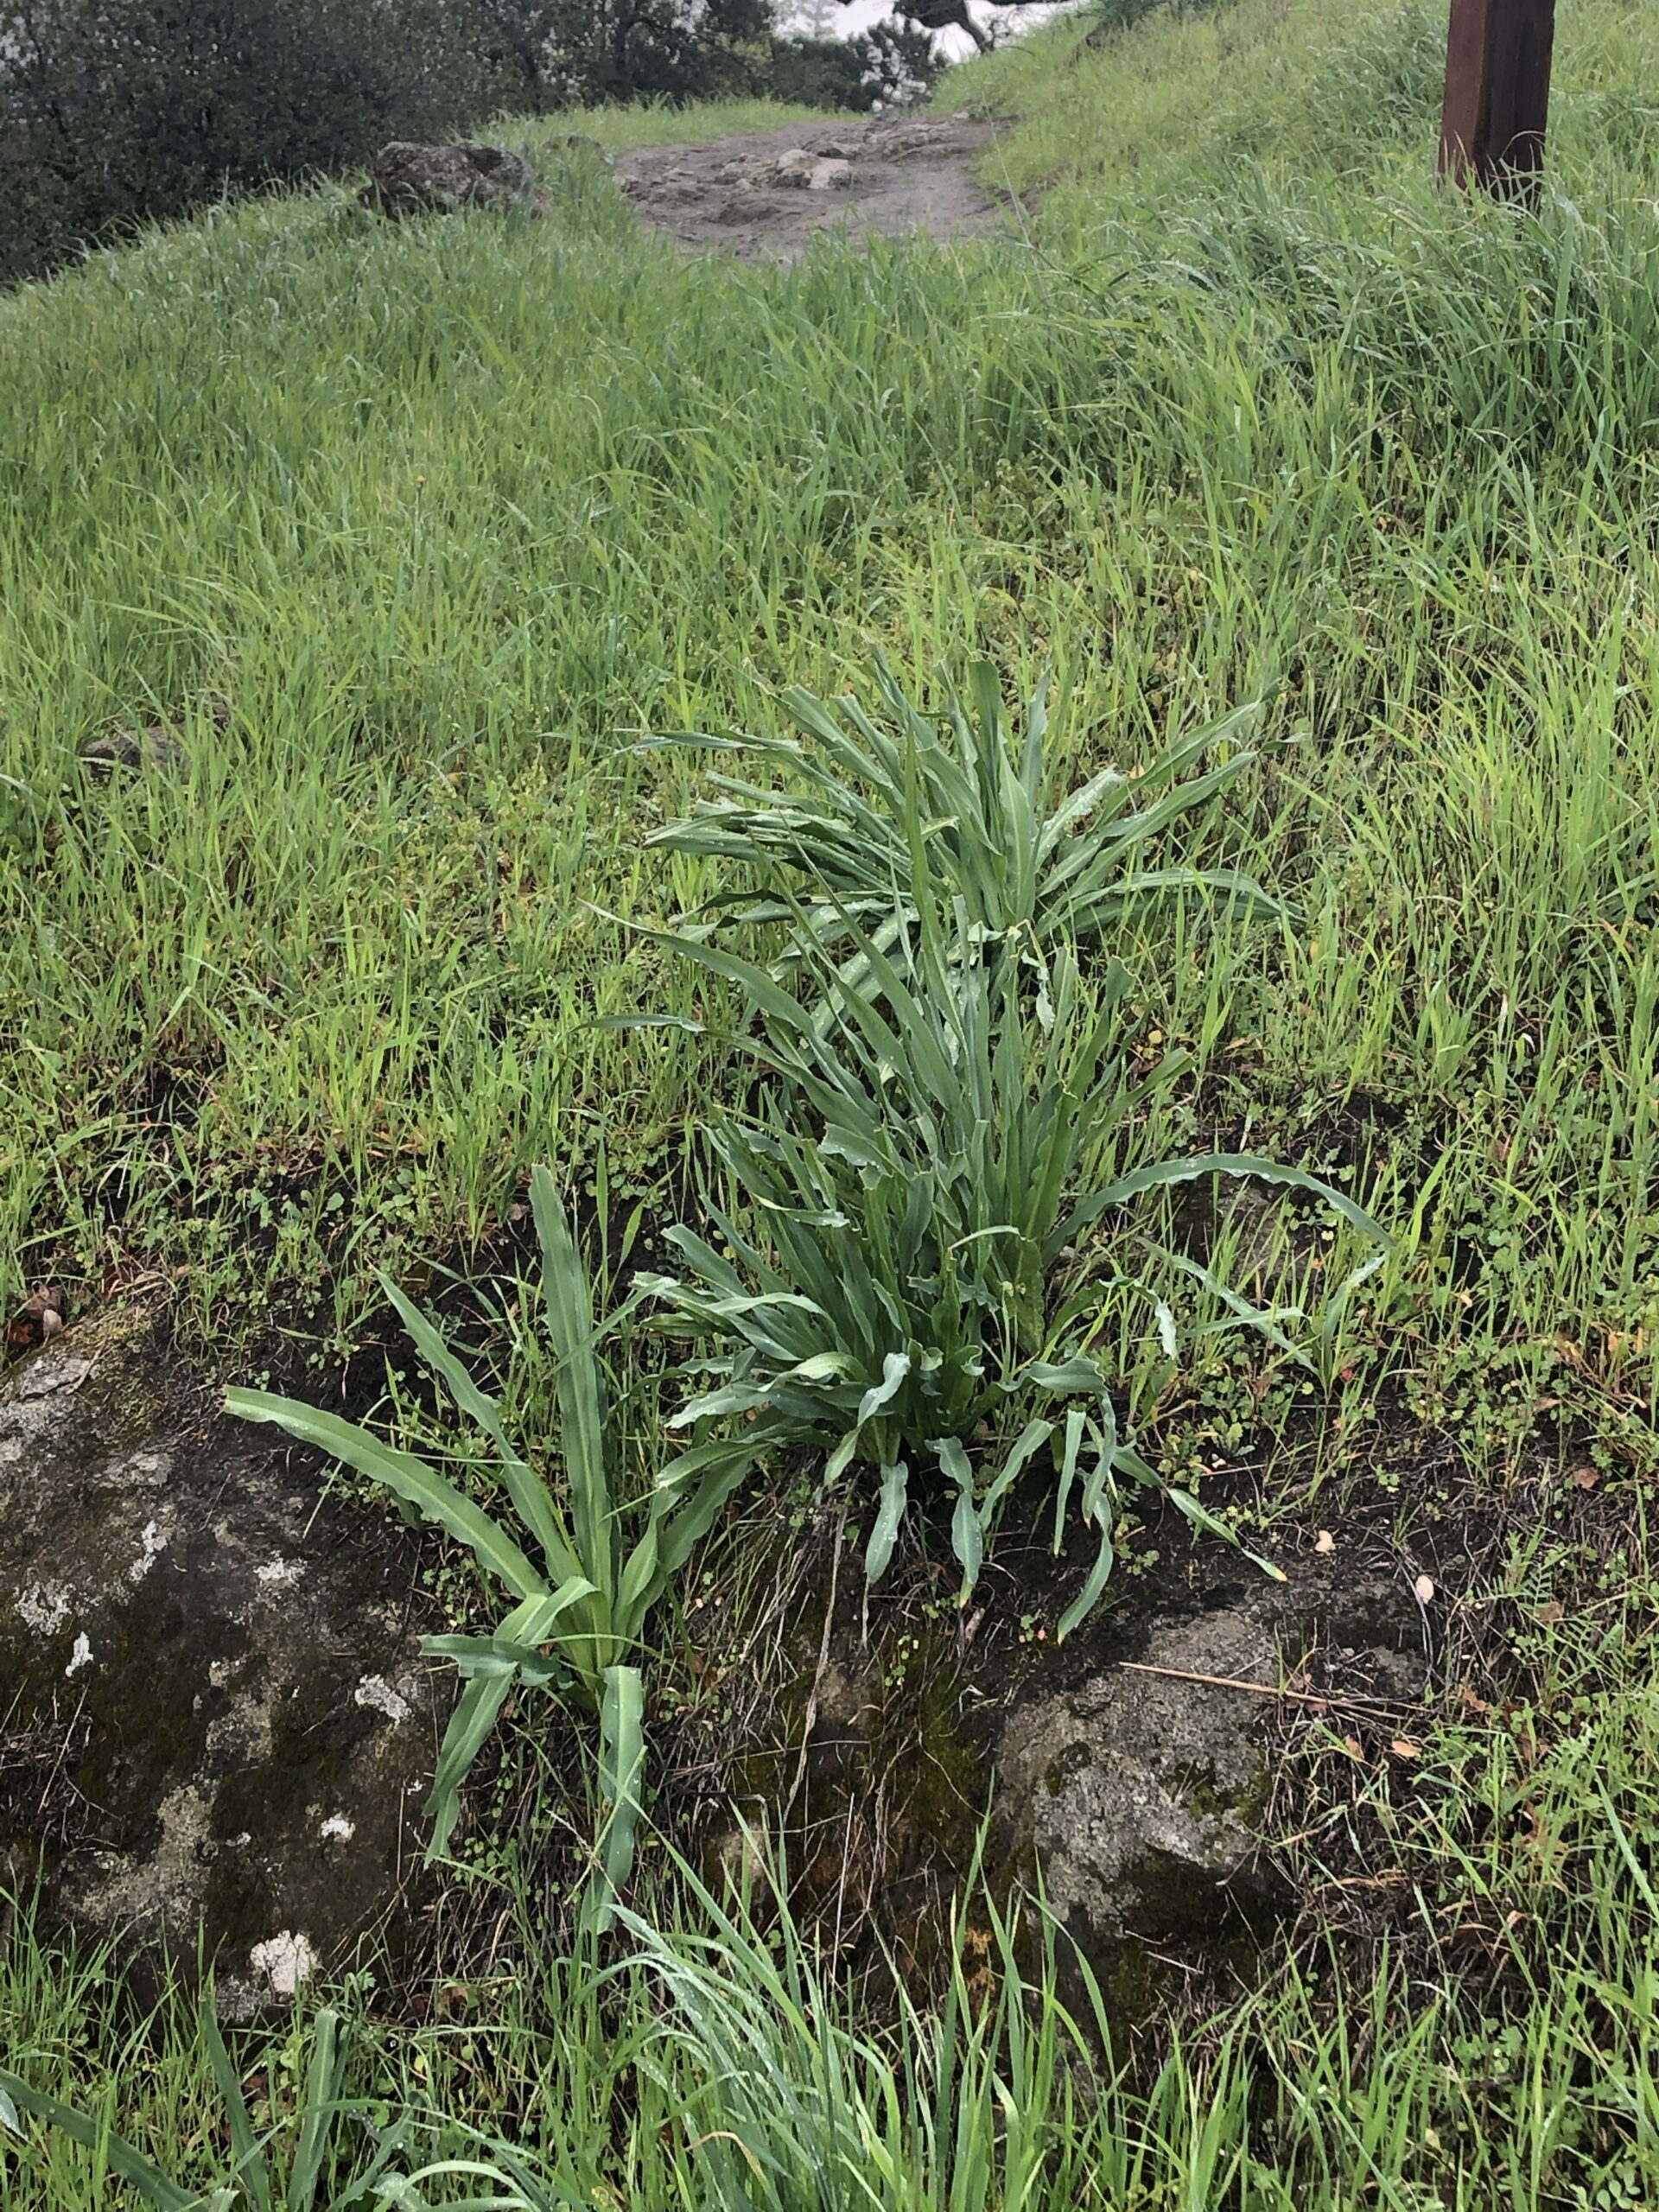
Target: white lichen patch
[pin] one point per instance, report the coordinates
(376, 1691)
(44, 1606)
(218, 1673)
(153, 1545)
(338, 1829)
(133, 1888)
(283, 1962)
(81, 1655)
(276, 1572)
(44, 1377)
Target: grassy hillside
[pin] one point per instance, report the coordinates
(408, 536)
(410, 532)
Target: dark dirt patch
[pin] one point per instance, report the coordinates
(765, 196)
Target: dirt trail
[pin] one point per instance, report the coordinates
(763, 195)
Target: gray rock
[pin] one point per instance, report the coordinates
(409, 180)
(793, 168)
(215, 1715)
(1139, 1794)
(155, 746)
(802, 169)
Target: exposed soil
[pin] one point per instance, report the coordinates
(764, 195)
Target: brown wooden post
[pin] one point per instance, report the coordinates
(1498, 93)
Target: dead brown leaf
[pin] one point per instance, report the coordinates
(41, 1315)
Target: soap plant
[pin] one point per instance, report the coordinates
(866, 808)
(559, 1547)
(930, 1137)
(946, 1106)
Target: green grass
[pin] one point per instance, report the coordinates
(413, 530)
(437, 521)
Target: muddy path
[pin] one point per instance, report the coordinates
(764, 195)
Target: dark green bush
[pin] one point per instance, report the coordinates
(114, 110)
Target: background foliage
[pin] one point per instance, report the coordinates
(113, 111)
(887, 66)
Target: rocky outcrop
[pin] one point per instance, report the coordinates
(766, 194)
(214, 1714)
(409, 180)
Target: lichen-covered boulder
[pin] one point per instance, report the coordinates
(1138, 1784)
(411, 180)
(217, 1721)
(1138, 1792)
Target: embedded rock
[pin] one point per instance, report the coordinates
(794, 168)
(216, 1719)
(808, 168)
(1128, 1773)
(1137, 1793)
(157, 745)
(1138, 1787)
(409, 180)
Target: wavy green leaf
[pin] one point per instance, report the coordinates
(406, 1477)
